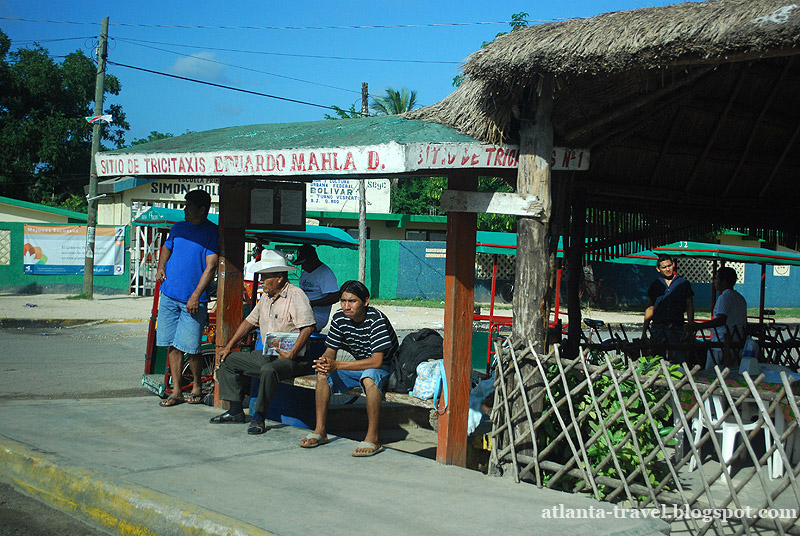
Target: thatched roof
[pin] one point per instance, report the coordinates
(658, 38)
(693, 32)
(690, 107)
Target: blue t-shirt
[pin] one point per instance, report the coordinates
(190, 245)
(669, 302)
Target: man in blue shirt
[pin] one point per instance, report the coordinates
(186, 266)
(668, 299)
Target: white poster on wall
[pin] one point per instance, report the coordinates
(779, 270)
(61, 250)
(341, 195)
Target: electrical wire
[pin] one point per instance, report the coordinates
(32, 41)
(353, 27)
(220, 85)
(140, 41)
(247, 68)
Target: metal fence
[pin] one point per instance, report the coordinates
(651, 435)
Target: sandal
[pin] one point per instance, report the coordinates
(195, 398)
(313, 440)
(171, 401)
(257, 427)
(364, 450)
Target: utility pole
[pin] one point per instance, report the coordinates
(362, 202)
(91, 199)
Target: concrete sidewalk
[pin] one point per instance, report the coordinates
(136, 468)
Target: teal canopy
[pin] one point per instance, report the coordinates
(314, 234)
(718, 251)
(506, 244)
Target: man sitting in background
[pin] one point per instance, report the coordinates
(730, 317)
(318, 282)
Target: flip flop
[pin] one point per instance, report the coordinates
(195, 398)
(171, 401)
(317, 439)
(365, 449)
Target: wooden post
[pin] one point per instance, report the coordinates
(531, 284)
(577, 246)
(459, 302)
(533, 177)
(233, 195)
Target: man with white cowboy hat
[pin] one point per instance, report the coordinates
(282, 309)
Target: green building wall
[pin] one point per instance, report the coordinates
(14, 280)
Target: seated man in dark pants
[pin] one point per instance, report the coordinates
(283, 308)
(361, 345)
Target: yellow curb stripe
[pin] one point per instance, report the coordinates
(128, 509)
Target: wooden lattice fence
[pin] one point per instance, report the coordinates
(639, 432)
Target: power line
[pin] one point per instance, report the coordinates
(353, 27)
(139, 41)
(31, 41)
(221, 85)
(246, 68)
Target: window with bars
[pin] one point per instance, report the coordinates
(702, 270)
(5, 247)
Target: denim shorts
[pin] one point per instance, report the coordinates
(179, 329)
(342, 380)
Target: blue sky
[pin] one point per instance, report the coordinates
(164, 36)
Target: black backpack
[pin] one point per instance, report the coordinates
(416, 348)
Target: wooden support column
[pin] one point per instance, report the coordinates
(233, 195)
(531, 284)
(577, 246)
(459, 302)
(533, 177)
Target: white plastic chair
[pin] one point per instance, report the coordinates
(714, 407)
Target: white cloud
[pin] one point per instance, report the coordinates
(229, 110)
(201, 66)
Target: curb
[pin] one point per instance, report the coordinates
(126, 509)
(39, 323)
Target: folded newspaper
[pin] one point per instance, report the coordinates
(285, 342)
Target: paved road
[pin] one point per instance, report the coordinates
(84, 361)
(57, 363)
(22, 516)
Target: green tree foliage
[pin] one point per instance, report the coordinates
(45, 140)
(153, 136)
(418, 195)
(394, 102)
(341, 113)
(422, 195)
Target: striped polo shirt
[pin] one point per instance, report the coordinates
(374, 334)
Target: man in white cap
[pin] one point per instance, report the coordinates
(282, 309)
(318, 282)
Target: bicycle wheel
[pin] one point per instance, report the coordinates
(206, 374)
(607, 298)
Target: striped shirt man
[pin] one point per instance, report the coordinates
(374, 334)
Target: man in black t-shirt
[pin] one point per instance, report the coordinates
(668, 299)
(361, 346)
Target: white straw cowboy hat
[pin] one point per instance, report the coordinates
(272, 261)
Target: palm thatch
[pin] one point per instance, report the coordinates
(696, 33)
(688, 34)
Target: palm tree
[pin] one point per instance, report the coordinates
(394, 102)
